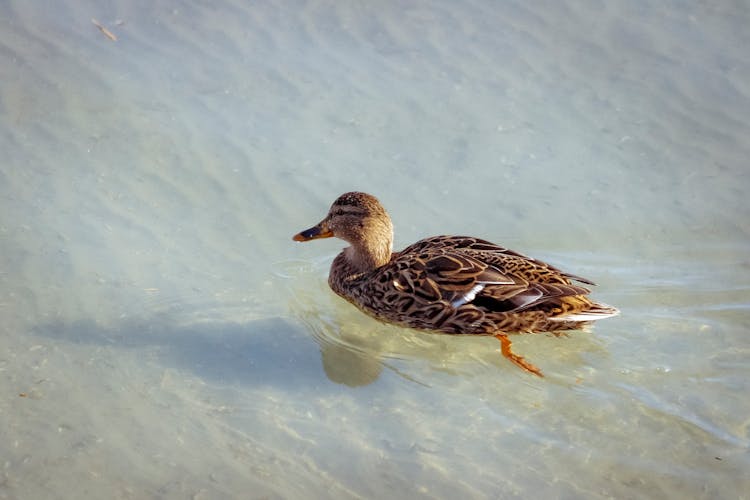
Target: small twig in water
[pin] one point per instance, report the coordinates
(104, 30)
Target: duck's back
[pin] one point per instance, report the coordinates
(459, 284)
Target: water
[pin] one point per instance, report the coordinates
(163, 337)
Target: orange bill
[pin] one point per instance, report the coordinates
(313, 233)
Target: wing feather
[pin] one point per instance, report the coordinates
(462, 270)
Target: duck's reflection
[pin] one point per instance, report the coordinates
(344, 365)
(354, 353)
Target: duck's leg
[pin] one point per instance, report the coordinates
(515, 358)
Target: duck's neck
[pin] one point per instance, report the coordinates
(368, 255)
(371, 247)
(352, 263)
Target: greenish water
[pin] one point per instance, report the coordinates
(163, 337)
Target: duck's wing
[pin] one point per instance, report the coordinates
(462, 270)
(533, 269)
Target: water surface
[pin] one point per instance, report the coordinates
(163, 337)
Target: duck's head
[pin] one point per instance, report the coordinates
(361, 220)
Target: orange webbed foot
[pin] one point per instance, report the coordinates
(515, 358)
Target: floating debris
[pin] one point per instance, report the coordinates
(104, 30)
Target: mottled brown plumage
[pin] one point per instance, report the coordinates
(450, 284)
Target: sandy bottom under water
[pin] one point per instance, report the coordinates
(161, 336)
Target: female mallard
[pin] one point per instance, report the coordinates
(450, 284)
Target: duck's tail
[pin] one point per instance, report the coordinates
(594, 312)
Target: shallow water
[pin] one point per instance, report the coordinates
(162, 336)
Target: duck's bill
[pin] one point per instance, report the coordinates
(312, 234)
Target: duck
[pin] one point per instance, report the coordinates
(458, 285)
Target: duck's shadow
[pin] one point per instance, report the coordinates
(269, 351)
